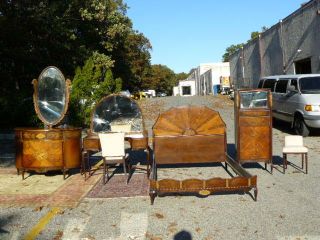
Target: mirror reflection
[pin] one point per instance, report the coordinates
(257, 99)
(117, 113)
(51, 94)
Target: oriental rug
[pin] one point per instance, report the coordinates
(117, 187)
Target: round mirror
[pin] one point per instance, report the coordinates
(116, 113)
(50, 96)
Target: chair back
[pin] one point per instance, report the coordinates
(112, 144)
(293, 141)
(126, 128)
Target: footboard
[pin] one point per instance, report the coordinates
(244, 182)
(203, 187)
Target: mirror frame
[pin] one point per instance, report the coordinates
(36, 104)
(91, 132)
(237, 97)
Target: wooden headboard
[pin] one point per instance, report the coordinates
(189, 134)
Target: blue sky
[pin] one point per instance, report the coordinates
(185, 33)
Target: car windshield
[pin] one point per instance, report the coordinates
(310, 85)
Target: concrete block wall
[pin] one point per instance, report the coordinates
(294, 38)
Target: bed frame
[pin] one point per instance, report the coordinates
(192, 135)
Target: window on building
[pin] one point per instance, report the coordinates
(186, 90)
(303, 66)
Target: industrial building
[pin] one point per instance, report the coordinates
(292, 46)
(203, 80)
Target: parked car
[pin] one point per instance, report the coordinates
(150, 93)
(161, 94)
(231, 95)
(139, 95)
(295, 99)
(225, 90)
(125, 93)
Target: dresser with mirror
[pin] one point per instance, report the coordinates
(116, 113)
(54, 147)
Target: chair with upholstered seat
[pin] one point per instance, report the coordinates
(113, 152)
(294, 145)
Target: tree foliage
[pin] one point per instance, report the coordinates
(160, 78)
(35, 34)
(91, 82)
(254, 35)
(181, 76)
(231, 50)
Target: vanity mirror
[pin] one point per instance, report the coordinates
(51, 96)
(115, 112)
(51, 148)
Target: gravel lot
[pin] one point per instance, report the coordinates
(287, 207)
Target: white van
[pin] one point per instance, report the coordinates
(295, 99)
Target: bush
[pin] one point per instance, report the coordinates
(91, 82)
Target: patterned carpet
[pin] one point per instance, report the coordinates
(117, 187)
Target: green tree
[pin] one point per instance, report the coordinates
(91, 82)
(35, 34)
(181, 76)
(231, 50)
(254, 35)
(160, 78)
(133, 61)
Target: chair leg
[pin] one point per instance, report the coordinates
(148, 162)
(284, 163)
(83, 167)
(89, 163)
(124, 164)
(104, 171)
(306, 158)
(124, 167)
(302, 160)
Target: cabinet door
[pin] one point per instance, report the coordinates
(42, 154)
(254, 138)
(255, 143)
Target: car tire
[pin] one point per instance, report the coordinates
(300, 127)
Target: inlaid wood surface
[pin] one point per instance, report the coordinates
(189, 134)
(48, 149)
(253, 130)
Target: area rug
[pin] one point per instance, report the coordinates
(116, 187)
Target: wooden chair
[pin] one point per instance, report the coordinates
(294, 145)
(113, 152)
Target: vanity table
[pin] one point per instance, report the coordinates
(116, 113)
(49, 148)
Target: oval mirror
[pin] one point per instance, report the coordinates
(116, 113)
(50, 96)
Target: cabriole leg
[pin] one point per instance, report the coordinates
(152, 195)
